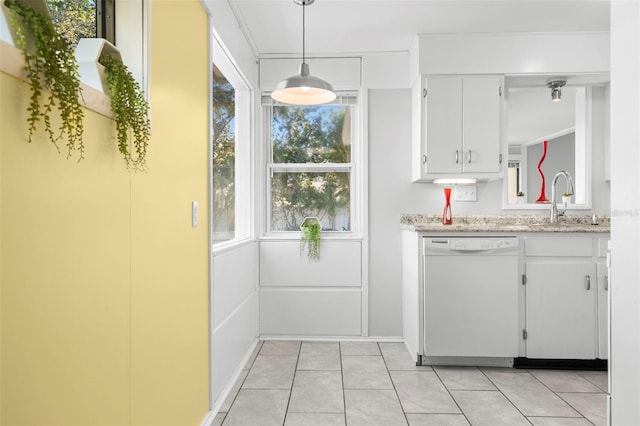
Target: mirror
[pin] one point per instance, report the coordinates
(532, 118)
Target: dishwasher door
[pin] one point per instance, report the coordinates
(470, 297)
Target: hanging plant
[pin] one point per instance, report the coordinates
(131, 112)
(310, 237)
(50, 64)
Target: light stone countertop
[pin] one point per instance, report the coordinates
(503, 223)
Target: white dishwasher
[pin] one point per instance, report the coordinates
(470, 300)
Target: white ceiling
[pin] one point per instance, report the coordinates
(343, 27)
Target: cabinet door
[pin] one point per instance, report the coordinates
(560, 310)
(481, 124)
(418, 148)
(444, 124)
(603, 311)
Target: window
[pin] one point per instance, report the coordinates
(231, 206)
(224, 111)
(311, 165)
(78, 19)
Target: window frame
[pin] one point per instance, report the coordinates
(106, 20)
(243, 124)
(354, 167)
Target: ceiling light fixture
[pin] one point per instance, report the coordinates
(303, 88)
(555, 86)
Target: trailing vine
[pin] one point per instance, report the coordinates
(52, 66)
(131, 113)
(310, 239)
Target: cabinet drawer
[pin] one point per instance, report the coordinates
(554, 246)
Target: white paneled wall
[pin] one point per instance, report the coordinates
(235, 313)
(302, 297)
(282, 264)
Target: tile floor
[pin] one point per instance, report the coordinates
(365, 383)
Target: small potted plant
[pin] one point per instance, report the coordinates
(131, 111)
(310, 230)
(520, 197)
(52, 73)
(566, 198)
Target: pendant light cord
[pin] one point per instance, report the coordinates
(304, 4)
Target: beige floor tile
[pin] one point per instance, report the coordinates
(397, 358)
(258, 407)
(564, 381)
(271, 372)
(593, 406)
(437, 420)
(530, 396)
(365, 372)
(226, 406)
(359, 348)
(314, 419)
(422, 392)
(319, 356)
(503, 370)
(464, 378)
(317, 392)
(253, 356)
(488, 408)
(280, 347)
(559, 421)
(373, 408)
(600, 380)
(219, 418)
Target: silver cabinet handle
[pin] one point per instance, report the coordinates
(424, 159)
(500, 159)
(456, 156)
(587, 281)
(606, 283)
(469, 157)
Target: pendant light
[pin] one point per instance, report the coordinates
(303, 88)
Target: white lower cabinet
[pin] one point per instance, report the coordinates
(565, 298)
(561, 309)
(562, 306)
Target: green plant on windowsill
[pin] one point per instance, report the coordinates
(131, 112)
(310, 237)
(51, 65)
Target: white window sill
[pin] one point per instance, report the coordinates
(13, 64)
(326, 235)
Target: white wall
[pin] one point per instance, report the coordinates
(300, 297)
(234, 269)
(234, 305)
(625, 207)
(391, 193)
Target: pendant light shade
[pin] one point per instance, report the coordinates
(303, 88)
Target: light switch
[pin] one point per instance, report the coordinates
(194, 214)
(465, 193)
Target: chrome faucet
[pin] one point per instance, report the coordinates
(554, 205)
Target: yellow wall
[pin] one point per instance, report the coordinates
(104, 283)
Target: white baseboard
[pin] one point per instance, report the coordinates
(333, 338)
(211, 415)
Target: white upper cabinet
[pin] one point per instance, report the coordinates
(457, 126)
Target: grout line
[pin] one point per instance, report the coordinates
(505, 396)
(406, 419)
(344, 397)
(562, 399)
(450, 395)
(286, 411)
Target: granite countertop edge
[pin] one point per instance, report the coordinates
(503, 223)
